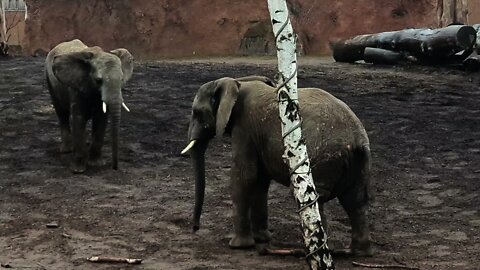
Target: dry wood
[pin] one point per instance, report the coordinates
(395, 266)
(297, 252)
(428, 45)
(52, 225)
(104, 259)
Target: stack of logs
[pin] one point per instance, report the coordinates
(454, 44)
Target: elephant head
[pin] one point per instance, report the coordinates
(211, 112)
(95, 72)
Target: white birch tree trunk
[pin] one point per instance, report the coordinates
(3, 23)
(318, 254)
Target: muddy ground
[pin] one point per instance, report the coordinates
(424, 127)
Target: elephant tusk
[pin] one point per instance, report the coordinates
(189, 146)
(125, 106)
(104, 107)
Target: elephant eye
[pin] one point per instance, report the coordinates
(99, 80)
(214, 102)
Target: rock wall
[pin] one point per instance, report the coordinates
(180, 28)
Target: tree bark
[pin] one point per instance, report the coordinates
(318, 254)
(427, 45)
(3, 23)
(3, 30)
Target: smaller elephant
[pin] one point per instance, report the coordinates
(247, 109)
(86, 83)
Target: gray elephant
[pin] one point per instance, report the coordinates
(247, 109)
(86, 83)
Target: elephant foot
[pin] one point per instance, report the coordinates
(362, 250)
(238, 242)
(357, 252)
(262, 236)
(96, 162)
(78, 168)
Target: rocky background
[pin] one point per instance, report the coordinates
(182, 28)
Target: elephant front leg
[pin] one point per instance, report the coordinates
(242, 188)
(66, 137)
(79, 158)
(259, 212)
(99, 126)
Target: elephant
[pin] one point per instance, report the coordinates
(86, 83)
(246, 109)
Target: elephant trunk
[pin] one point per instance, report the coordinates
(198, 159)
(115, 113)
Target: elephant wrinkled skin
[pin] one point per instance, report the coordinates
(86, 83)
(247, 109)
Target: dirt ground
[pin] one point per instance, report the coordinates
(424, 127)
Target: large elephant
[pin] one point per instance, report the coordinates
(247, 109)
(86, 83)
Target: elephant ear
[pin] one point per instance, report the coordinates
(227, 93)
(72, 69)
(127, 62)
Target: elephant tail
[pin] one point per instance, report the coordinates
(359, 165)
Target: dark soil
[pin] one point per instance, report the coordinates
(424, 127)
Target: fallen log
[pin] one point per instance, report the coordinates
(297, 252)
(427, 45)
(382, 56)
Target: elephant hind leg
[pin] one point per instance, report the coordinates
(355, 201)
(360, 244)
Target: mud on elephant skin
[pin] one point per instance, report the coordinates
(247, 109)
(86, 83)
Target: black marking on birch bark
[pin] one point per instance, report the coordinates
(307, 204)
(302, 139)
(292, 111)
(275, 21)
(310, 189)
(283, 38)
(290, 154)
(299, 180)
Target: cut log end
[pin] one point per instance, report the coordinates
(466, 36)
